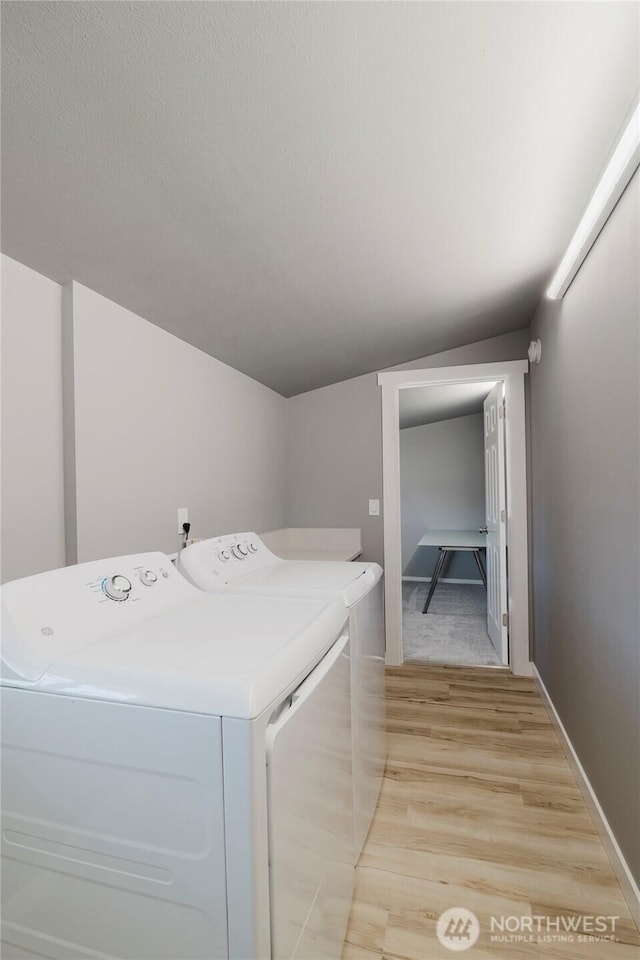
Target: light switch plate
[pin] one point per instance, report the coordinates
(183, 517)
(374, 508)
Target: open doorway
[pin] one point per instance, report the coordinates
(452, 496)
(512, 611)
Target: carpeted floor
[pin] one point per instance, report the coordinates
(455, 628)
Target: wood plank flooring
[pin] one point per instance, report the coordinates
(479, 809)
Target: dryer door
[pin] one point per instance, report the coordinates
(366, 627)
(310, 814)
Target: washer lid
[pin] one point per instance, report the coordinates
(223, 655)
(50, 615)
(132, 629)
(321, 578)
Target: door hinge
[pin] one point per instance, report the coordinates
(505, 619)
(503, 516)
(502, 412)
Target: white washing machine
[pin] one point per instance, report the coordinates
(242, 564)
(176, 769)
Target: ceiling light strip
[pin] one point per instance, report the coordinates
(620, 169)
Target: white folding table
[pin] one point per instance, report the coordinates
(449, 541)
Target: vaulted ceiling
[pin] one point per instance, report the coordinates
(422, 405)
(310, 191)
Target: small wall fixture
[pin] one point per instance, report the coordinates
(615, 178)
(535, 351)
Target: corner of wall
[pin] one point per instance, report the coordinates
(68, 427)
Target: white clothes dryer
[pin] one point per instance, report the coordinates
(242, 564)
(176, 769)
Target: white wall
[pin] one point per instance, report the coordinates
(32, 485)
(441, 488)
(161, 425)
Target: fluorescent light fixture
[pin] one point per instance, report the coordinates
(615, 178)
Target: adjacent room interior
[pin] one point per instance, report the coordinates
(443, 502)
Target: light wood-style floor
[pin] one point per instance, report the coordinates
(479, 809)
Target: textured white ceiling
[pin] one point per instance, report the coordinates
(421, 405)
(310, 191)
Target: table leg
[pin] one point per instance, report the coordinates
(435, 576)
(476, 554)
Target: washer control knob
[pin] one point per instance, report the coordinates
(148, 578)
(243, 549)
(224, 555)
(253, 547)
(237, 552)
(117, 587)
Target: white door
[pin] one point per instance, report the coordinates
(496, 522)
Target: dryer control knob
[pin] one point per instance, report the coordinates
(253, 547)
(148, 578)
(238, 552)
(224, 555)
(242, 547)
(117, 587)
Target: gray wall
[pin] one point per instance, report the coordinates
(158, 425)
(585, 491)
(161, 425)
(147, 405)
(441, 488)
(32, 496)
(335, 443)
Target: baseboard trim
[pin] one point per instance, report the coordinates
(441, 580)
(625, 878)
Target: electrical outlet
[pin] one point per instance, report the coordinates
(374, 508)
(183, 517)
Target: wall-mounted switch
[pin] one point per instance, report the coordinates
(374, 508)
(183, 517)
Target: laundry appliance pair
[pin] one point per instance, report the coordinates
(177, 767)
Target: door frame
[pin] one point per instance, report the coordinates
(512, 374)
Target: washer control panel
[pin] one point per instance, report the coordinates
(124, 582)
(118, 587)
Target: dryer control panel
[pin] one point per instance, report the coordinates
(52, 614)
(213, 563)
